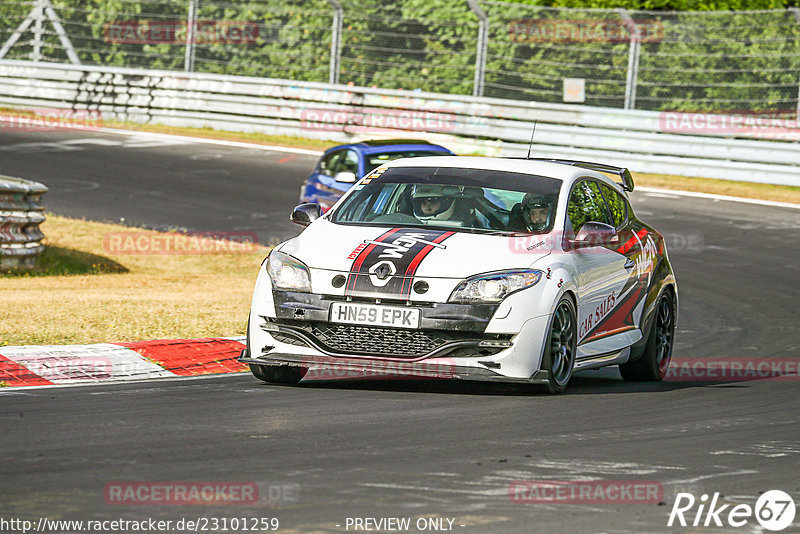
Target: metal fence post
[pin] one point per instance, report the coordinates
(62, 35)
(191, 32)
(633, 60)
(36, 16)
(483, 44)
(336, 41)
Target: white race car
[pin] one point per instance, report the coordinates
(516, 270)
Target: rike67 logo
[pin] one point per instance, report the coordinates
(774, 510)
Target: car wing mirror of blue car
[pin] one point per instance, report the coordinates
(346, 177)
(305, 214)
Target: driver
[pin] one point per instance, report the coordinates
(532, 214)
(431, 204)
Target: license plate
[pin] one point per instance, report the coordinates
(370, 314)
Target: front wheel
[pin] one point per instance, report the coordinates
(652, 366)
(273, 373)
(278, 374)
(562, 342)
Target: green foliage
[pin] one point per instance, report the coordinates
(718, 60)
(736, 62)
(668, 5)
(416, 44)
(293, 40)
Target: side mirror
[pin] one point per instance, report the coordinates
(346, 177)
(305, 214)
(593, 234)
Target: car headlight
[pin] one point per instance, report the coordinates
(287, 272)
(494, 287)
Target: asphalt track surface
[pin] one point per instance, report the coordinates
(329, 451)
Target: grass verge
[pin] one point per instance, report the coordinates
(83, 293)
(778, 193)
(92, 123)
(242, 137)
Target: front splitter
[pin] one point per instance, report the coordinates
(375, 368)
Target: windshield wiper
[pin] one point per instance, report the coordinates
(483, 231)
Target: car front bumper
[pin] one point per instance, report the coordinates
(322, 367)
(462, 354)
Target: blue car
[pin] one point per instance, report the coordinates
(341, 166)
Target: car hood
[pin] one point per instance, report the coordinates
(413, 252)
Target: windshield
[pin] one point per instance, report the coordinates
(470, 200)
(372, 161)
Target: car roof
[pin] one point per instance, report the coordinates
(381, 142)
(391, 145)
(562, 171)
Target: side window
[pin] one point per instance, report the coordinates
(616, 205)
(349, 163)
(330, 163)
(586, 204)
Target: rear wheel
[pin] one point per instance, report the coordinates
(559, 353)
(652, 366)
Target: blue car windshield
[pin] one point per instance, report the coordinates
(470, 200)
(373, 161)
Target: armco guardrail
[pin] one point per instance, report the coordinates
(20, 217)
(720, 146)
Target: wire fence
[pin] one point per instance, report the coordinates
(731, 62)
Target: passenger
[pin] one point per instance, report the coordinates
(533, 214)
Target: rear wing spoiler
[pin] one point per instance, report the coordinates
(622, 172)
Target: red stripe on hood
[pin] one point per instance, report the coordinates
(412, 267)
(359, 261)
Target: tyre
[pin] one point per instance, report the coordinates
(562, 342)
(277, 374)
(258, 371)
(272, 373)
(652, 366)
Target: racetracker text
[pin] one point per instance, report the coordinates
(195, 524)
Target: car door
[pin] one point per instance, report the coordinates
(636, 243)
(318, 184)
(329, 189)
(601, 273)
